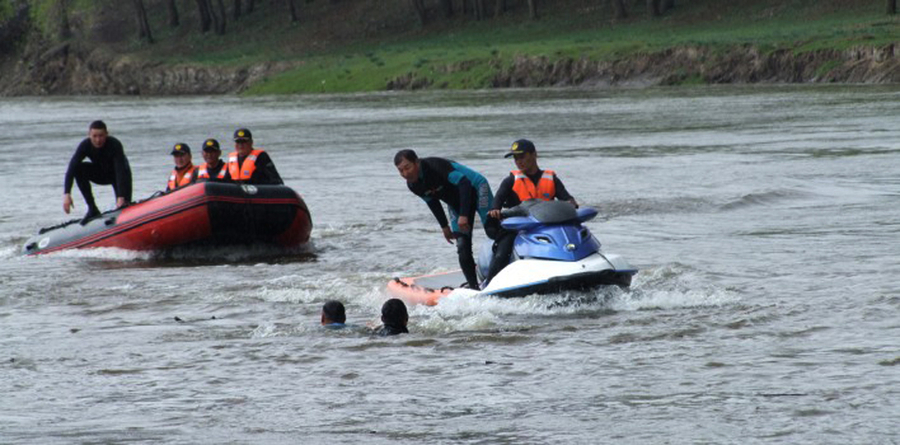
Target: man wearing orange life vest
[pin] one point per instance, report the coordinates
(528, 182)
(185, 172)
(250, 165)
(214, 168)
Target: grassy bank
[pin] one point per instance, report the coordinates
(469, 56)
(365, 45)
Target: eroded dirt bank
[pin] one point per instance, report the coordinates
(68, 70)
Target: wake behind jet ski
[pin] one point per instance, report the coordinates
(553, 251)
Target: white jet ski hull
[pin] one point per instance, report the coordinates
(535, 276)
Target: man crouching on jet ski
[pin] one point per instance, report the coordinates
(465, 192)
(526, 183)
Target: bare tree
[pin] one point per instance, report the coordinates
(292, 9)
(237, 9)
(891, 7)
(418, 7)
(500, 8)
(173, 13)
(143, 23)
(532, 9)
(205, 15)
(447, 7)
(619, 9)
(653, 8)
(220, 28)
(666, 5)
(62, 12)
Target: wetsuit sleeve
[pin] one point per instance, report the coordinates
(438, 212)
(77, 157)
(122, 169)
(504, 193)
(561, 193)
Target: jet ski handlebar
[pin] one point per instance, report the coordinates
(536, 212)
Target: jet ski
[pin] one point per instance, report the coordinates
(553, 251)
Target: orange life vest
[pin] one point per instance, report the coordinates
(203, 172)
(180, 179)
(525, 188)
(245, 171)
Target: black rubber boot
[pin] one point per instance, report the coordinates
(92, 213)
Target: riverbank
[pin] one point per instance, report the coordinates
(692, 44)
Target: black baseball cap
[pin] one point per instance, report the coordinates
(211, 145)
(242, 134)
(181, 149)
(519, 147)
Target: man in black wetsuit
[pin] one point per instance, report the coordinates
(108, 165)
(528, 182)
(250, 165)
(465, 192)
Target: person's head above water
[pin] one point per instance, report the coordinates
(333, 312)
(407, 163)
(393, 313)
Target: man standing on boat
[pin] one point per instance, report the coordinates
(108, 165)
(465, 192)
(528, 182)
(213, 169)
(250, 165)
(185, 172)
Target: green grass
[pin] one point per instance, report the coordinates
(464, 59)
(462, 54)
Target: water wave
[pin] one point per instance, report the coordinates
(673, 286)
(764, 199)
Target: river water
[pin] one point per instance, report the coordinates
(764, 220)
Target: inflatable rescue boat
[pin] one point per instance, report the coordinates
(207, 213)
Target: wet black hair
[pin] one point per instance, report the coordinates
(407, 154)
(393, 312)
(334, 311)
(97, 125)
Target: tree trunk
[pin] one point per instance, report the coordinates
(532, 9)
(293, 11)
(619, 9)
(666, 5)
(419, 8)
(222, 16)
(653, 8)
(891, 7)
(62, 11)
(447, 7)
(237, 10)
(465, 7)
(500, 8)
(173, 13)
(217, 24)
(205, 17)
(479, 9)
(143, 23)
